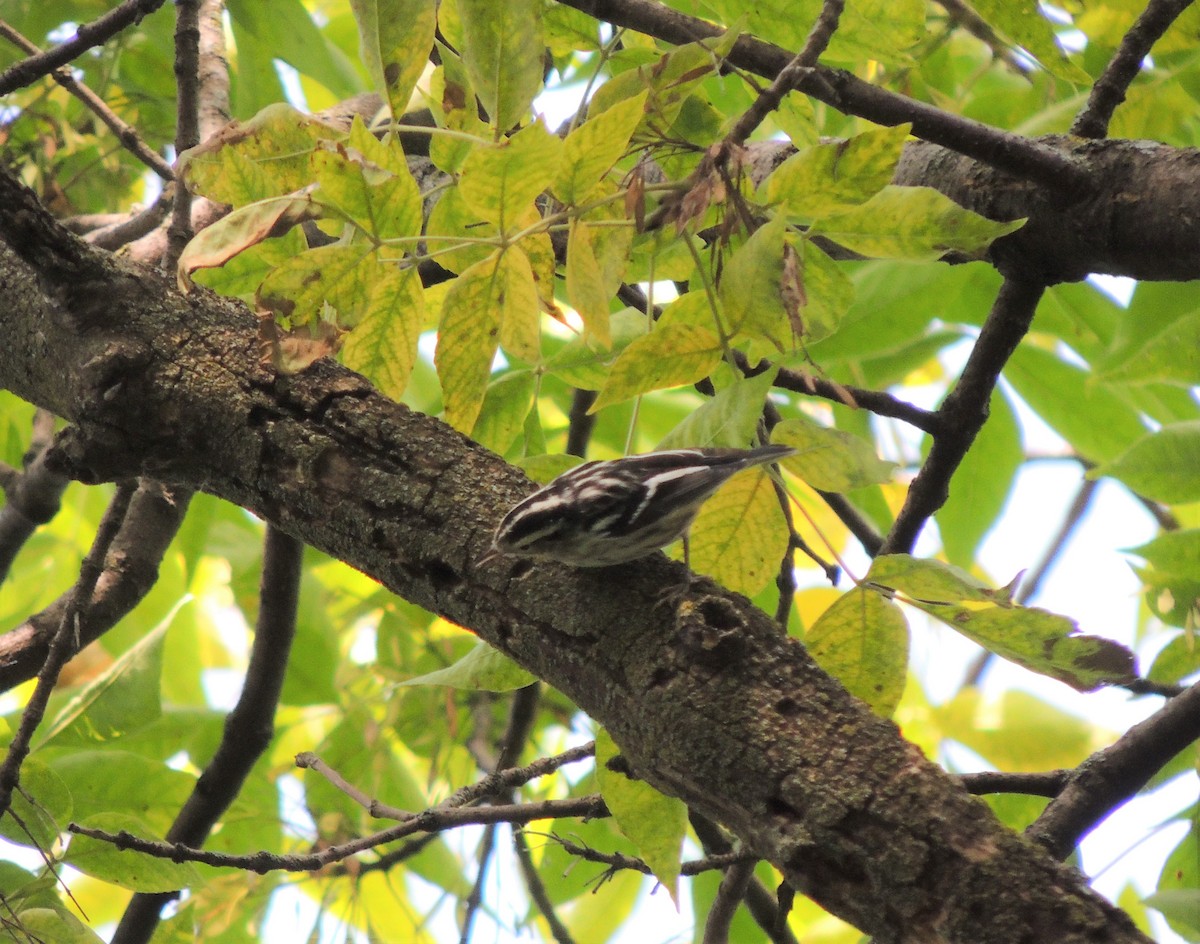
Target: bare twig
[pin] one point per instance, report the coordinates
(962, 15)
(965, 409)
(537, 890)
(437, 819)
(1122, 69)
(1111, 776)
(125, 133)
(88, 35)
(249, 728)
(1047, 784)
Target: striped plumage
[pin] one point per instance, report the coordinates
(604, 513)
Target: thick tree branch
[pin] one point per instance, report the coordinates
(710, 703)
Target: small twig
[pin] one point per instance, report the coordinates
(1110, 777)
(962, 15)
(125, 132)
(432, 820)
(855, 522)
(1109, 90)
(135, 227)
(88, 35)
(965, 409)
(874, 401)
(374, 808)
(618, 861)
(33, 495)
(580, 422)
(487, 847)
(537, 890)
(1047, 784)
(64, 644)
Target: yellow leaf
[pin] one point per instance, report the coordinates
(592, 148)
(467, 339)
(667, 357)
(383, 346)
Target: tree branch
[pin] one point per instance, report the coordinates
(1123, 68)
(1110, 777)
(249, 728)
(88, 35)
(965, 410)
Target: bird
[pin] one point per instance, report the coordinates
(610, 512)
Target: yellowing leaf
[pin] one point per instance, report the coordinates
(929, 581)
(830, 459)
(217, 244)
(751, 286)
(916, 223)
(831, 177)
(519, 306)
(334, 275)
(740, 535)
(502, 50)
(467, 340)
(585, 284)
(667, 357)
(828, 293)
(383, 345)
(728, 419)
(500, 181)
(592, 148)
(653, 822)
(395, 37)
(278, 140)
(862, 641)
(1161, 465)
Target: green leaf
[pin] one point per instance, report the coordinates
(502, 53)
(654, 823)
(383, 345)
(829, 459)
(136, 871)
(395, 37)
(1097, 422)
(42, 802)
(832, 177)
(930, 581)
(916, 223)
(117, 781)
(981, 484)
(827, 293)
(669, 356)
(1161, 465)
(579, 364)
(288, 29)
(467, 340)
(729, 418)
(590, 151)
(1172, 356)
(508, 401)
(862, 641)
(483, 669)
(1040, 641)
(1172, 581)
(126, 697)
(500, 181)
(1024, 24)
(752, 283)
(740, 536)
(1181, 908)
(51, 926)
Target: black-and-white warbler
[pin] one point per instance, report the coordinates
(604, 513)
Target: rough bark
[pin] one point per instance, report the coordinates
(712, 703)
